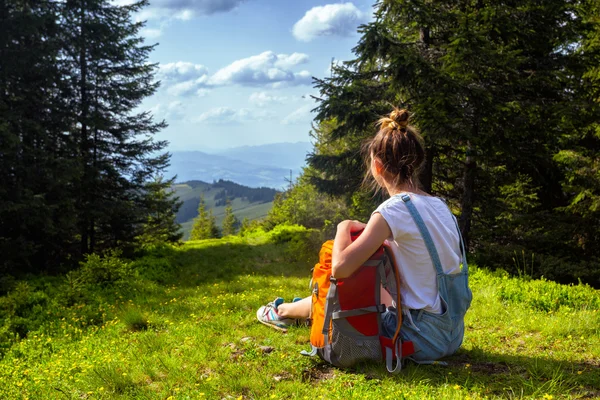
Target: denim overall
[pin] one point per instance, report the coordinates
(435, 335)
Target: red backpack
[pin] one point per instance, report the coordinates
(345, 314)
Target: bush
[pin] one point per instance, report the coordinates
(549, 296)
(521, 262)
(109, 270)
(96, 273)
(304, 205)
(303, 244)
(23, 310)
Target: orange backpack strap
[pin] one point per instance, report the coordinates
(320, 287)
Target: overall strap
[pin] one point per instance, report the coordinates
(465, 267)
(435, 258)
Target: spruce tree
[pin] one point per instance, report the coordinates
(496, 89)
(161, 225)
(230, 221)
(110, 76)
(214, 230)
(244, 227)
(205, 225)
(200, 228)
(37, 223)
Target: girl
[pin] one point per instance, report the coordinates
(425, 240)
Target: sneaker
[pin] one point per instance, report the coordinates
(268, 315)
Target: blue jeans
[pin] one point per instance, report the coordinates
(434, 336)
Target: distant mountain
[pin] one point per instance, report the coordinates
(253, 166)
(282, 155)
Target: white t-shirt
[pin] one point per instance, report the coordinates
(418, 288)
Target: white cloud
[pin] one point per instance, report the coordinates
(301, 115)
(184, 78)
(187, 88)
(202, 7)
(329, 20)
(263, 98)
(169, 112)
(262, 69)
(227, 115)
(181, 71)
(286, 62)
(266, 69)
(162, 13)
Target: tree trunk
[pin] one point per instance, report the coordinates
(84, 188)
(466, 203)
(426, 173)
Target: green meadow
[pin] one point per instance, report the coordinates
(179, 323)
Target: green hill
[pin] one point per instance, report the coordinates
(251, 203)
(179, 323)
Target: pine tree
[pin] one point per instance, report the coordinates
(110, 75)
(205, 225)
(161, 225)
(214, 230)
(230, 222)
(201, 222)
(37, 224)
(244, 227)
(496, 89)
(77, 163)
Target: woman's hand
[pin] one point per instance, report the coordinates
(351, 226)
(348, 256)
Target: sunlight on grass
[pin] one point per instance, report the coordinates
(186, 329)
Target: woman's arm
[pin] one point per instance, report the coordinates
(347, 255)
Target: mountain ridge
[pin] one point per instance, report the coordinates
(253, 166)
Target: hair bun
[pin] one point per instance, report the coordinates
(400, 117)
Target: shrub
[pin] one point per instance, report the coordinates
(109, 270)
(304, 205)
(23, 310)
(548, 296)
(96, 273)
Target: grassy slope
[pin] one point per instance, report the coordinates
(241, 208)
(203, 340)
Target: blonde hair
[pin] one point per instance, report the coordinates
(399, 147)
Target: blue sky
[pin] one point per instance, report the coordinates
(238, 72)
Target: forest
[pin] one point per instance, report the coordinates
(80, 172)
(506, 95)
(101, 299)
(507, 99)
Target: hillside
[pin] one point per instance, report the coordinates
(180, 323)
(251, 203)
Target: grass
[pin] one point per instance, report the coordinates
(185, 328)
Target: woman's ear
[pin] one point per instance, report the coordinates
(377, 165)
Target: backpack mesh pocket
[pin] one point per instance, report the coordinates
(347, 350)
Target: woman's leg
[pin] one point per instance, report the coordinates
(296, 310)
